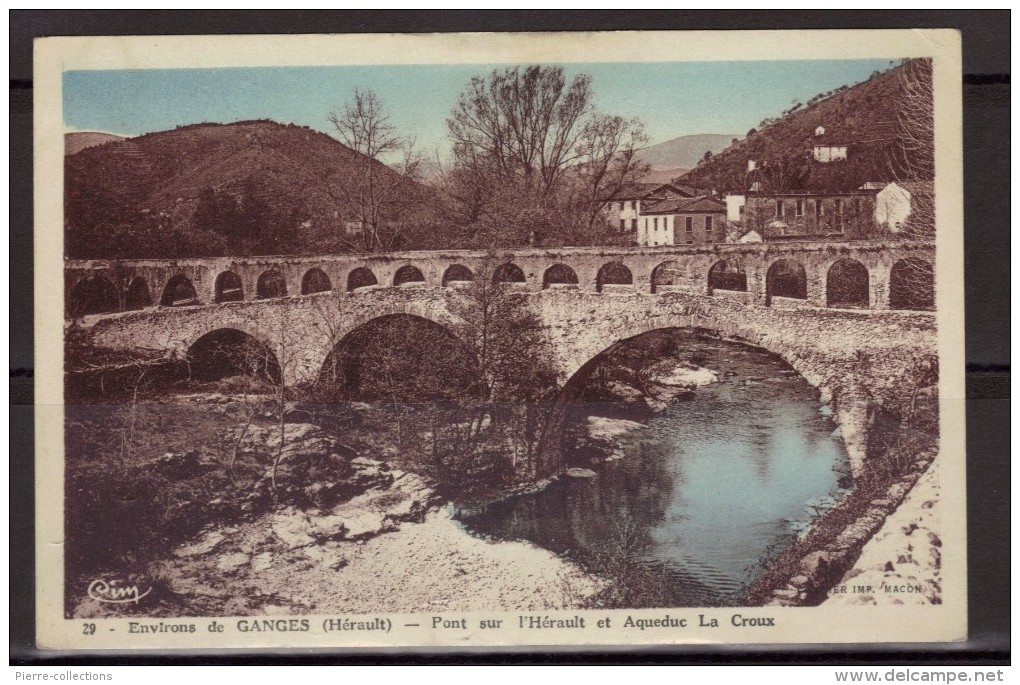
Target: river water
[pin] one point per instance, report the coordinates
(708, 491)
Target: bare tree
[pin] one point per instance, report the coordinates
(912, 159)
(521, 125)
(514, 362)
(534, 162)
(379, 195)
(608, 151)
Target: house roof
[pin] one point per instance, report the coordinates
(688, 205)
(640, 191)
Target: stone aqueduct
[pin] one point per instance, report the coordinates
(776, 296)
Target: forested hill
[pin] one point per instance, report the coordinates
(255, 187)
(868, 118)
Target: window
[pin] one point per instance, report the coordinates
(655, 223)
(633, 224)
(689, 224)
(633, 204)
(819, 207)
(800, 207)
(839, 205)
(708, 227)
(779, 209)
(623, 225)
(741, 210)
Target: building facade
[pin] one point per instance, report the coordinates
(624, 208)
(846, 214)
(689, 221)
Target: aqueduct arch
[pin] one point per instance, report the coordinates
(137, 295)
(93, 295)
(179, 292)
(314, 281)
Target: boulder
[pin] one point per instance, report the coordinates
(581, 473)
(229, 562)
(205, 545)
(292, 528)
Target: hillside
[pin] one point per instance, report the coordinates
(252, 187)
(79, 140)
(864, 117)
(684, 151)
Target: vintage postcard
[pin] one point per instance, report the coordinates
(499, 340)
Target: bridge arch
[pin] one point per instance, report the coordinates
(137, 295)
(785, 278)
(229, 287)
(727, 274)
(224, 352)
(508, 273)
(93, 295)
(559, 275)
(613, 274)
(271, 284)
(179, 292)
(457, 273)
(666, 276)
(348, 366)
(847, 284)
(912, 285)
(361, 277)
(408, 275)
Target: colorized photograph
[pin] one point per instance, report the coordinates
(538, 337)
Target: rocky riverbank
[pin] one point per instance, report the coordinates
(347, 534)
(902, 563)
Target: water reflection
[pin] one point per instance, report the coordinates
(706, 489)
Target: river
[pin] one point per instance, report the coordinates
(708, 491)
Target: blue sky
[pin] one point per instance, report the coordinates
(672, 98)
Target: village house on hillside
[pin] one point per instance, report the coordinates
(828, 146)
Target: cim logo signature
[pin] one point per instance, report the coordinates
(115, 591)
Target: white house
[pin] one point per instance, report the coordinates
(624, 208)
(827, 148)
(829, 152)
(683, 221)
(735, 207)
(892, 206)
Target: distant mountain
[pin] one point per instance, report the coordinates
(865, 118)
(664, 174)
(684, 151)
(79, 140)
(248, 187)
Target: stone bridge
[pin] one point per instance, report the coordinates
(826, 308)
